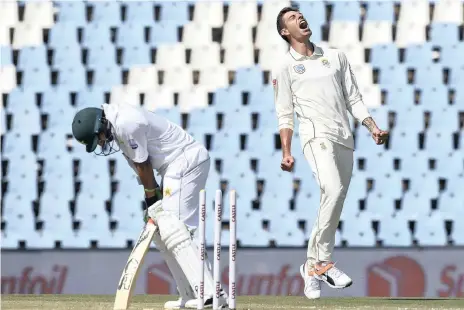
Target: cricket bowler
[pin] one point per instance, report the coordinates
(151, 142)
(318, 85)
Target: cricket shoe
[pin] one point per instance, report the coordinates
(208, 304)
(312, 288)
(334, 277)
(175, 304)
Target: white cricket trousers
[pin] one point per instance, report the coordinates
(182, 182)
(332, 166)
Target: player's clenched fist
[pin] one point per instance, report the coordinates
(379, 136)
(287, 163)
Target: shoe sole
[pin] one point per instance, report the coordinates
(302, 275)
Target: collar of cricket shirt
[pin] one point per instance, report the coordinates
(297, 56)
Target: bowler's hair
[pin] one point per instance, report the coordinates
(280, 21)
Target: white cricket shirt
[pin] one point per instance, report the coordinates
(142, 134)
(321, 89)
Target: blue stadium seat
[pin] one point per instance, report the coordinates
(399, 97)
(135, 55)
(51, 143)
(248, 79)
(227, 98)
(54, 99)
(261, 142)
(444, 34)
(61, 185)
(459, 98)
(434, 96)
(17, 211)
(384, 56)
(439, 139)
(451, 205)
(36, 78)
(96, 34)
(287, 233)
(238, 166)
(346, 11)
(237, 120)
(393, 75)
(20, 99)
(93, 219)
(140, 11)
(108, 12)
(64, 34)
(430, 230)
(126, 206)
(21, 182)
(268, 120)
(107, 77)
(61, 118)
(403, 141)
(163, 33)
(457, 235)
(428, 76)
(380, 11)
(394, 231)
(225, 144)
(92, 96)
(71, 12)
(451, 55)
(7, 56)
(457, 77)
(16, 143)
(202, 120)
(73, 78)
(358, 231)
(131, 34)
(261, 99)
(66, 56)
(174, 11)
(314, 12)
(418, 55)
(101, 56)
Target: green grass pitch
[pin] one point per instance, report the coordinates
(155, 302)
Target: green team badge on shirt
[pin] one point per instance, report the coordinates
(325, 62)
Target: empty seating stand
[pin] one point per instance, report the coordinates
(209, 71)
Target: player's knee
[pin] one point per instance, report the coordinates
(335, 192)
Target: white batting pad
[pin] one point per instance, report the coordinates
(183, 286)
(178, 241)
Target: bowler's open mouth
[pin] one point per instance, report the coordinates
(303, 24)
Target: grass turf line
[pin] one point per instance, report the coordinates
(156, 302)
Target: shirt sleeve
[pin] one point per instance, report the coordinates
(353, 98)
(283, 97)
(135, 139)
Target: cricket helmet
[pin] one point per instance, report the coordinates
(86, 126)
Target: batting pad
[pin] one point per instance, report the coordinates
(183, 286)
(175, 235)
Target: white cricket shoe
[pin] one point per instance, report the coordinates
(208, 304)
(175, 304)
(334, 277)
(312, 288)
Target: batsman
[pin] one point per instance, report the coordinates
(150, 142)
(319, 86)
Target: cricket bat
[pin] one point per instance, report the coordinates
(131, 270)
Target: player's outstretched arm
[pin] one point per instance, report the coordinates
(284, 110)
(286, 140)
(379, 136)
